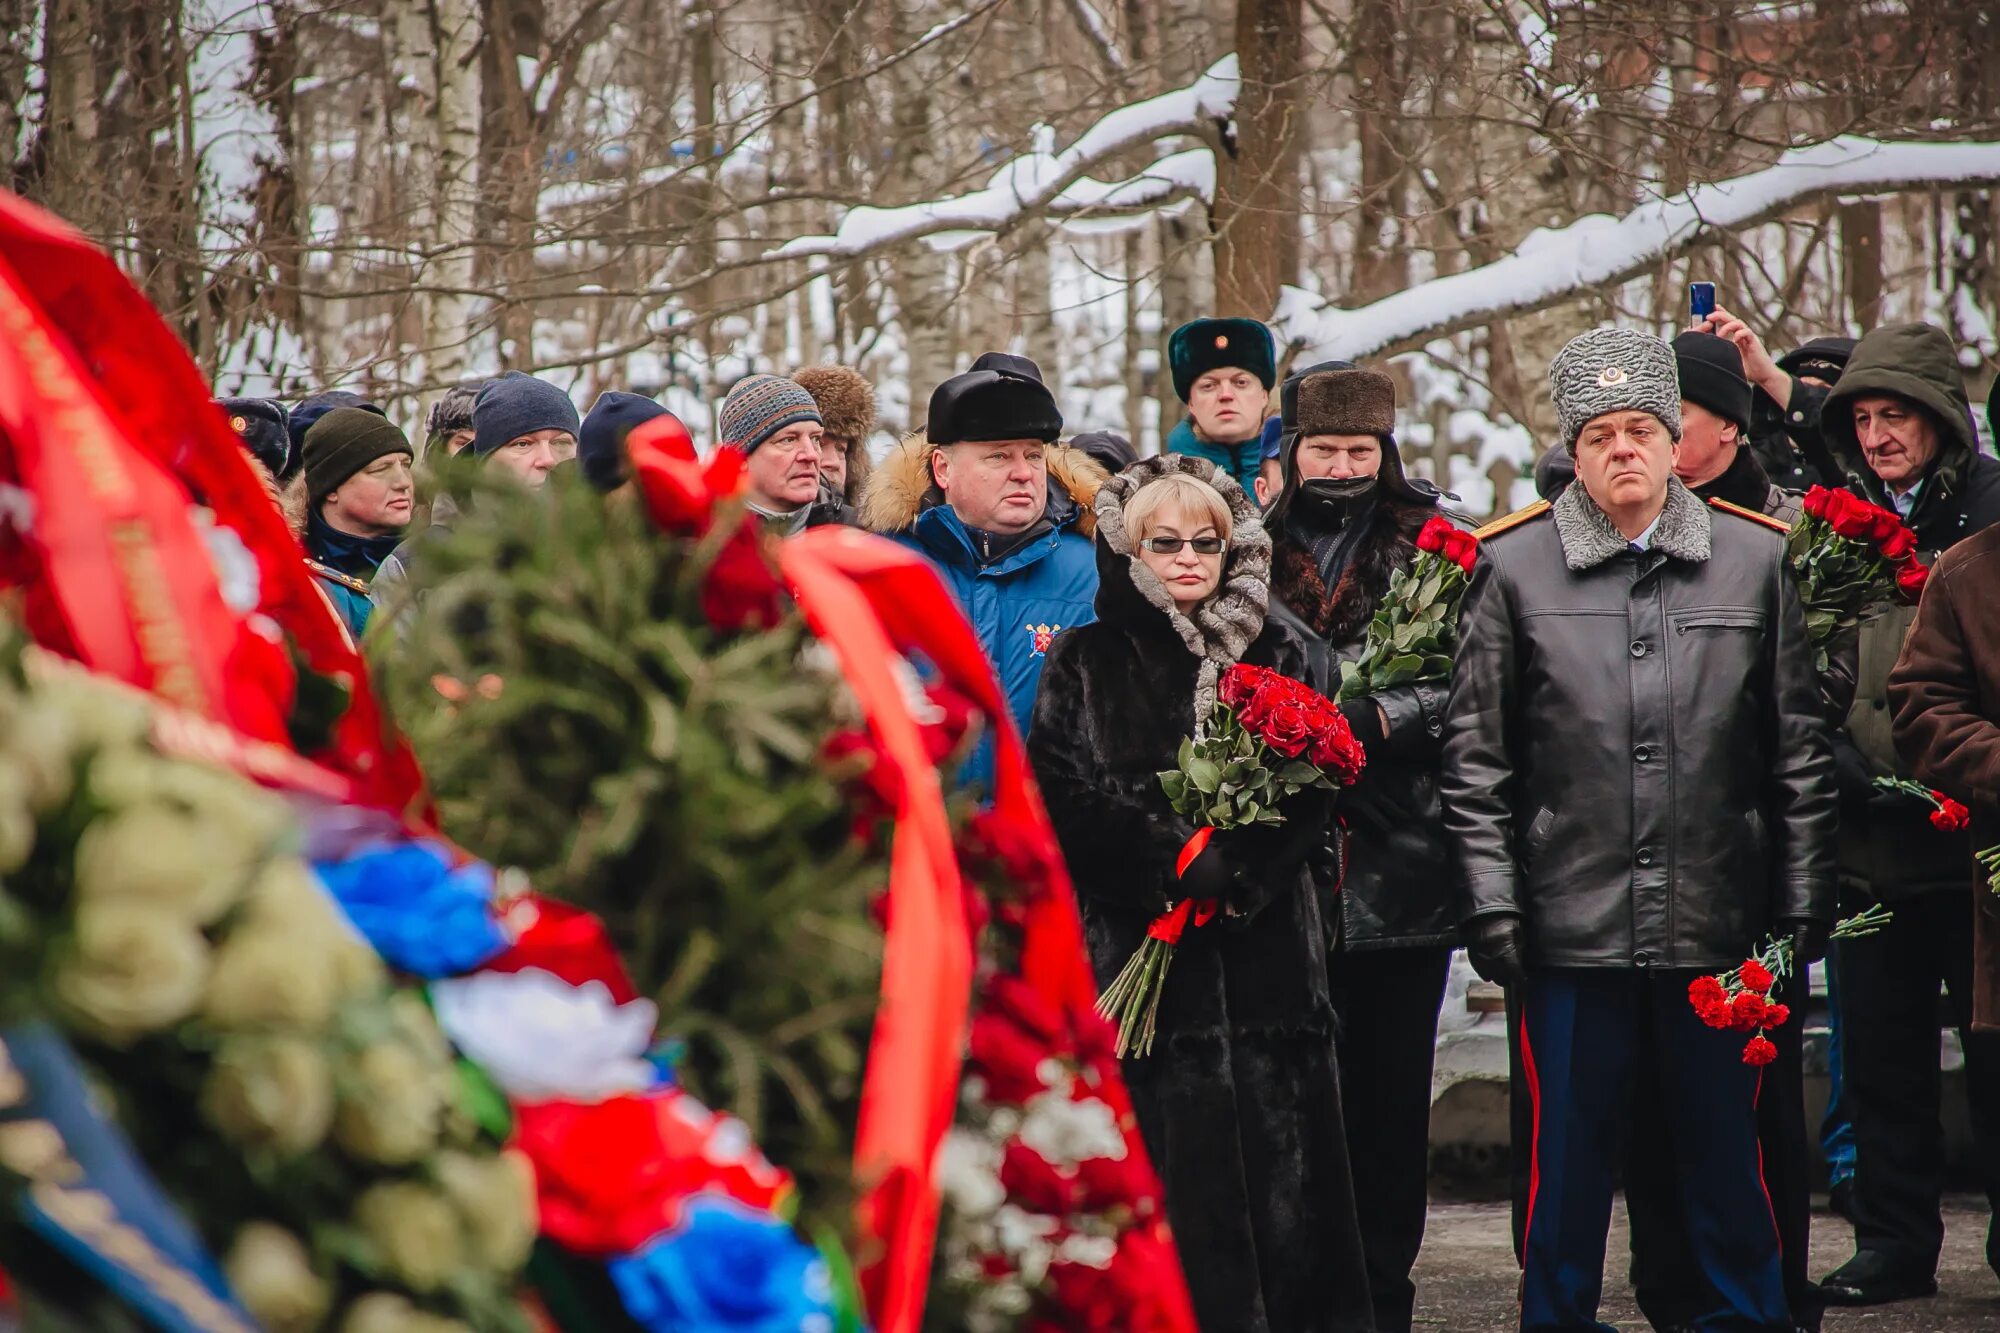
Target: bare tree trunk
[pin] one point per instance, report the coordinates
(1182, 239)
(1257, 196)
(454, 212)
(1381, 264)
(70, 181)
(1861, 253)
(922, 275)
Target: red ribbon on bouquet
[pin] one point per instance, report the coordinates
(1169, 927)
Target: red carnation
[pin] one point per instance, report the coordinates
(1949, 815)
(1104, 1183)
(1707, 992)
(1757, 977)
(1777, 1015)
(1746, 1011)
(1899, 545)
(1910, 576)
(1760, 1051)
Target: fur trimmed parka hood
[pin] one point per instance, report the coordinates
(900, 486)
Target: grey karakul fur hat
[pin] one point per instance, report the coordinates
(1614, 370)
(1346, 402)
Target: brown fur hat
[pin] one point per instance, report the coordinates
(1347, 402)
(846, 400)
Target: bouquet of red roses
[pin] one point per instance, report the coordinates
(1739, 1000)
(1415, 630)
(1852, 559)
(1268, 738)
(1946, 814)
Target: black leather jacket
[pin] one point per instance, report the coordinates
(1635, 756)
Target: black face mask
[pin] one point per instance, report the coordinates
(1329, 502)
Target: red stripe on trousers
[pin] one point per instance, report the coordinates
(1535, 1133)
(1763, 1183)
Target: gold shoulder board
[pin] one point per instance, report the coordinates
(1774, 524)
(347, 581)
(1508, 522)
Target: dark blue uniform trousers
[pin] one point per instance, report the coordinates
(1592, 1040)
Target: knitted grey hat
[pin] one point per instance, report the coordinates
(759, 407)
(1614, 370)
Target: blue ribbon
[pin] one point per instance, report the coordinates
(90, 1196)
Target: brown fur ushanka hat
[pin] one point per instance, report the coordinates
(846, 400)
(1346, 402)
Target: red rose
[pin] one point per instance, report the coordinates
(1898, 546)
(1760, 1051)
(1950, 815)
(1757, 977)
(1136, 1294)
(1032, 1183)
(1436, 534)
(1462, 549)
(1849, 516)
(1910, 576)
(1815, 501)
(1237, 685)
(1882, 524)
(1288, 730)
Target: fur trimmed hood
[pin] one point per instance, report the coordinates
(900, 487)
(1224, 626)
(1589, 538)
(1340, 614)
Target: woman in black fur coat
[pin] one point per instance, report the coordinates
(1239, 1103)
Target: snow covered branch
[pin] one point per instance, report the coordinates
(1044, 180)
(1598, 251)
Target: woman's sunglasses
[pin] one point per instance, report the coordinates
(1172, 545)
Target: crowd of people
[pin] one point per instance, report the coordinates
(1637, 770)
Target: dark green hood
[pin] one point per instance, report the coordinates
(1913, 361)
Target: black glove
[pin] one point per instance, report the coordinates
(1208, 875)
(1494, 945)
(1364, 719)
(1808, 942)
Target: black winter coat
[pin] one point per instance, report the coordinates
(1239, 1102)
(1635, 755)
(1888, 849)
(1393, 883)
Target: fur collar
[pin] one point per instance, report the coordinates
(1222, 627)
(900, 486)
(1342, 615)
(1589, 538)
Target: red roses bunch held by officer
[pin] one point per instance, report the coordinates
(1739, 1000)
(1269, 738)
(1415, 630)
(1852, 559)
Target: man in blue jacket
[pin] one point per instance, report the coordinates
(1223, 370)
(989, 497)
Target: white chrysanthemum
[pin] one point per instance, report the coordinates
(968, 1173)
(1066, 1132)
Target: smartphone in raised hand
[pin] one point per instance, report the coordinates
(1701, 301)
